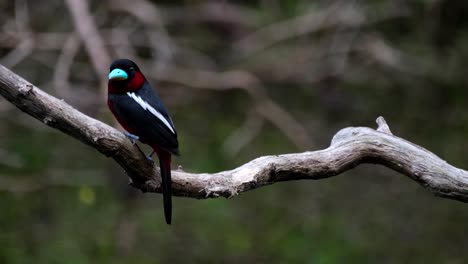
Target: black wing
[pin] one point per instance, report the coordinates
(144, 113)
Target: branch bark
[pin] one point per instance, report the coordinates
(350, 147)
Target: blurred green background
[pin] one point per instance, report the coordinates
(242, 79)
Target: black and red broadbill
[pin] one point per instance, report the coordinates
(143, 115)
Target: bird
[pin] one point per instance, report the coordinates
(143, 115)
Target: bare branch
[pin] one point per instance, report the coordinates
(149, 14)
(349, 148)
(14, 57)
(310, 22)
(63, 66)
(25, 47)
(92, 40)
(265, 106)
(245, 134)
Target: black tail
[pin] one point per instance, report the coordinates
(166, 185)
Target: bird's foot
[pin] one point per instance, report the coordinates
(133, 138)
(130, 182)
(150, 156)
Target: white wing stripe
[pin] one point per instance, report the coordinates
(149, 108)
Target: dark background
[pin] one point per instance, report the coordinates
(242, 79)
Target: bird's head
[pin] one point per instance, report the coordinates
(124, 76)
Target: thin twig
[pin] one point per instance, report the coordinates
(93, 42)
(63, 66)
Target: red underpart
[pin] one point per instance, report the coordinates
(164, 155)
(121, 122)
(133, 85)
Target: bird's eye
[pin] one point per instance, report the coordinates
(132, 69)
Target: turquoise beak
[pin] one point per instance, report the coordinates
(118, 74)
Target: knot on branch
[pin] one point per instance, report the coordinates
(382, 126)
(25, 89)
(348, 134)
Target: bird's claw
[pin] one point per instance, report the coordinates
(133, 138)
(150, 156)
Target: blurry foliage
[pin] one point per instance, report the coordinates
(62, 202)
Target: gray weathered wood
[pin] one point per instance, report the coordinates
(350, 147)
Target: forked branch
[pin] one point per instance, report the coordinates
(350, 147)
